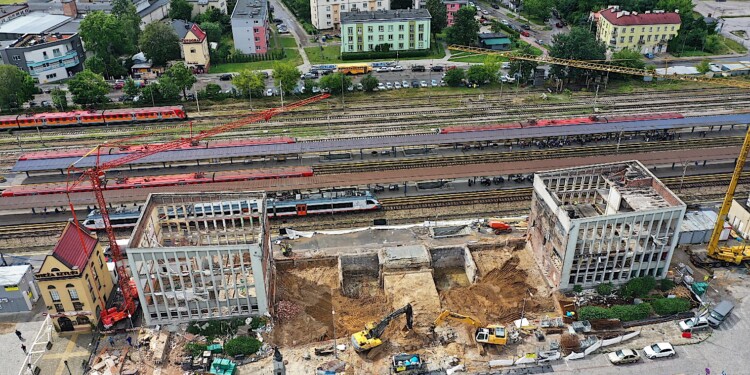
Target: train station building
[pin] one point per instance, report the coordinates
(603, 223)
(199, 256)
(74, 281)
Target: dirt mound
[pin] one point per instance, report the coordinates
(498, 296)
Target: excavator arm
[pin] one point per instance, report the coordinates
(380, 328)
(457, 317)
(370, 337)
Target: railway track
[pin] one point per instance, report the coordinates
(32, 230)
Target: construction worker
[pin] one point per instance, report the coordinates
(23, 347)
(18, 333)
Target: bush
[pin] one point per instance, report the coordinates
(605, 289)
(594, 312)
(383, 55)
(638, 287)
(195, 349)
(666, 284)
(623, 312)
(214, 328)
(258, 322)
(241, 345)
(577, 288)
(670, 306)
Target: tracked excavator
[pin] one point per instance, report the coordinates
(493, 334)
(369, 337)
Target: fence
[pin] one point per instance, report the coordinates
(659, 319)
(243, 58)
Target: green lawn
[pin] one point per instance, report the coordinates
(287, 42)
(534, 20)
(466, 57)
(330, 55)
(9, 2)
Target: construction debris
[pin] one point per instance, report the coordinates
(286, 310)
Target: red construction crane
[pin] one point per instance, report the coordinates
(96, 175)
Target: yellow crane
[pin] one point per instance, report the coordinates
(744, 84)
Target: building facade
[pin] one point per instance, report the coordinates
(74, 281)
(402, 30)
(197, 256)
(452, 6)
(194, 46)
(739, 217)
(11, 12)
(603, 223)
(648, 32)
(250, 28)
(48, 58)
(202, 6)
(326, 14)
(19, 290)
(495, 41)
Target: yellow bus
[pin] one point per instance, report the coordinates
(360, 68)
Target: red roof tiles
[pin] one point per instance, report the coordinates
(70, 250)
(200, 34)
(644, 19)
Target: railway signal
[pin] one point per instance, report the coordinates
(96, 176)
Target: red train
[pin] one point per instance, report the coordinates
(98, 117)
(159, 181)
(561, 122)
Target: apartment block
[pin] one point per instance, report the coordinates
(47, 57)
(452, 6)
(648, 32)
(326, 14)
(202, 6)
(250, 29)
(603, 223)
(198, 256)
(402, 30)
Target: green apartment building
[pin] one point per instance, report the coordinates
(402, 30)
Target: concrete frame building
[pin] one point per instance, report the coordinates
(403, 30)
(48, 58)
(250, 29)
(603, 223)
(647, 32)
(19, 290)
(326, 14)
(452, 6)
(197, 256)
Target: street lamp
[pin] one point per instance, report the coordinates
(66, 366)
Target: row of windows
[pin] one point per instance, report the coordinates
(647, 39)
(354, 6)
(381, 28)
(614, 276)
(382, 38)
(643, 29)
(371, 47)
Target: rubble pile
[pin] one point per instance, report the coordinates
(286, 310)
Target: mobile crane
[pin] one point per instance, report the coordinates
(369, 337)
(493, 334)
(96, 176)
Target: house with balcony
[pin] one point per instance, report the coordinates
(250, 29)
(401, 30)
(47, 57)
(194, 45)
(647, 33)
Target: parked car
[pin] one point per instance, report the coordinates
(415, 84)
(434, 83)
(507, 78)
(269, 92)
(46, 103)
(559, 25)
(360, 87)
(423, 84)
(382, 69)
(505, 22)
(437, 68)
(717, 315)
(693, 324)
(525, 33)
(389, 86)
(659, 350)
(118, 84)
(381, 86)
(526, 27)
(623, 356)
(397, 68)
(226, 77)
(397, 85)
(485, 12)
(479, 9)
(418, 68)
(539, 41)
(495, 6)
(405, 84)
(505, 65)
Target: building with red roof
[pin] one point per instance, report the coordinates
(194, 45)
(647, 33)
(74, 280)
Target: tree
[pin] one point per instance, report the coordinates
(578, 44)
(169, 89)
(212, 30)
(465, 27)
(180, 10)
(16, 87)
(130, 88)
(285, 75)
(127, 15)
(250, 83)
(107, 38)
(88, 88)
(704, 66)
(629, 59)
(242, 345)
(182, 77)
(481, 74)
(369, 83)
(522, 67)
(160, 43)
(537, 8)
(439, 14)
(455, 77)
(605, 289)
(59, 99)
(335, 83)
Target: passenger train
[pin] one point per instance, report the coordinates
(87, 118)
(294, 205)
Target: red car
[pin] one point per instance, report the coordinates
(118, 84)
(559, 25)
(525, 33)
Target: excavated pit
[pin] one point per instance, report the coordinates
(452, 267)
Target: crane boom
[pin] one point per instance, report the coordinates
(744, 84)
(96, 175)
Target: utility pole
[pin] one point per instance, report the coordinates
(335, 351)
(198, 103)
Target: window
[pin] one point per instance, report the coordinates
(16, 58)
(630, 39)
(369, 29)
(370, 38)
(622, 39)
(343, 7)
(643, 29)
(421, 45)
(672, 28)
(380, 3)
(400, 27)
(44, 54)
(53, 75)
(411, 28)
(400, 36)
(54, 295)
(351, 38)
(77, 306)
(650, 29)
(258, 39)
(256, 30)
(351, 30)
(351, 47)
(369, 47)
(328, 8)
(72, 292)
(192, 50)
(381, 38)
(420, 36)
(658, 28)
(56, 52)
(664, 37)
(59, 308)
(648, 39)
(632, 29)
(328, 16)
(390, 37)
(390, 28)
(401, 46)
(381, 28)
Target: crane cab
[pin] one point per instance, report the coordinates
(493, 334)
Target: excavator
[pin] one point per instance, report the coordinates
(369, 337)
(493, 334)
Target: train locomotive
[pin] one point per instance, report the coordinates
(92, 118)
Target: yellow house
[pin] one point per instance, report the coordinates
(74, 281)
(194, 44)
(647, 32)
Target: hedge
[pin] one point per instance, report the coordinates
(383, 55)
(638, 287)
(670, 306)
(242, 345)
(623, 312)
(243, 58)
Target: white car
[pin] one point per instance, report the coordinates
(423, 84)
(389, 86)
(659, 350)
(623, 356)
(405, 84)
(269, 92)
(434, 83)
(479, 9)
(693, 324)
(508, 79)
(381, 86)
(505, 65)
(382, 69)
(485, 12)
(397, 85)
(397, 68)
(505, 22)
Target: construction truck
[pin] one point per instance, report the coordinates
(369, 337)
(715, 255)
(493, 334)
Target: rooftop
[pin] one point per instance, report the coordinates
(36, 39)
(152, 7)
(182, 27)
(386, 15)
(624, 18)
(251, 9)
(12, 275)
(607, 189)
(33, 23)
(492, 35)
(74, 246)
(199, 219)
(7, 10)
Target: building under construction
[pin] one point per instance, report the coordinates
(198, 256)
(603, 223)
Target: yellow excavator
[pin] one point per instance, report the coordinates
(715, 255)
(493, 334)
(370, 337)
